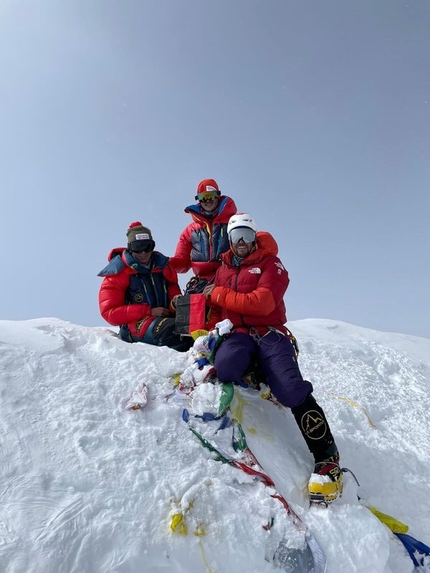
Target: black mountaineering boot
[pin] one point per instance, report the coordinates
(325, 484)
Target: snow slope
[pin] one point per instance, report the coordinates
(89, 487)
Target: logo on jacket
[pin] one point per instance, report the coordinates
(280, 266)
(255, 271)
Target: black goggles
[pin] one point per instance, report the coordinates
(244, 234)
(142, 246)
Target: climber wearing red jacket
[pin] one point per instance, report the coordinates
(203, 241)
(139, 290)
(249, 290)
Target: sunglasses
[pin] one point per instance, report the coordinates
(142, 246)
(207, 197)
(244, 234)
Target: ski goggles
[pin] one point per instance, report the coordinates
(142, 246)
(207, 196)
(244, 234)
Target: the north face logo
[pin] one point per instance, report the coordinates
(255, 271)
(210, 188)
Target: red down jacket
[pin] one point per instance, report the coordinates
(129, 290)
(203, 241)
(251, 294)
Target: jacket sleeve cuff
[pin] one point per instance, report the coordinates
(218, 295)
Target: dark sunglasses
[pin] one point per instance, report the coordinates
(142, 246)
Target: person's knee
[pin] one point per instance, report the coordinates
(291, 393)
(230, 366)
(233, 357)
(226, 371)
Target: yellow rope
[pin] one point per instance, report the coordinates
(202, 551)
(355, 405)
(178, 525)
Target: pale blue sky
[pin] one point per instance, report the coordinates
(313, 115)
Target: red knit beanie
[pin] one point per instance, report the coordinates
(207, 186)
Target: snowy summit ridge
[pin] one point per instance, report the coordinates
(89, 487)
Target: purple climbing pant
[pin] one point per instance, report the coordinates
(276, 357)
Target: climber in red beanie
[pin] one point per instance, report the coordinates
(203, 241)
(139, 290)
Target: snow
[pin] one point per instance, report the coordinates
(87, 486)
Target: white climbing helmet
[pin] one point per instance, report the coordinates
(241, 220)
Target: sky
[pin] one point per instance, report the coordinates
(313, 116)
(89, 486)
